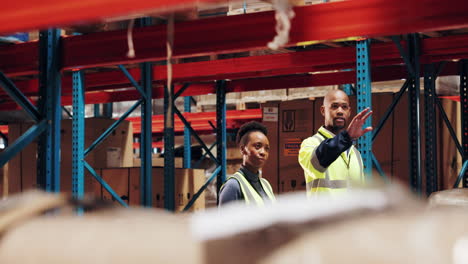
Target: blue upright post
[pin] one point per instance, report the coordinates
(146, 146)
(364, 100)
(414, 115)
(187, 136)
(464, 115)
(348, 88)
(169, 169)
(221, 131)
(48, 176)
(430, 129)
(146, 143)
(78, 135)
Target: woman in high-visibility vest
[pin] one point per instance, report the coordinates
(247, 183)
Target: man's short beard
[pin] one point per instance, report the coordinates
(337, 127)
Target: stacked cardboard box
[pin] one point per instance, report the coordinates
(126, 183)
(270, 120)
(158, 161)
(296, 123)
(115, 151)
(233, 158)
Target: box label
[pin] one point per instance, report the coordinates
(114, 157)
(289, 120)
(291, 147)
(270, 114)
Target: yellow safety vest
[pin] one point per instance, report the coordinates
(334, 179)
(249, 192)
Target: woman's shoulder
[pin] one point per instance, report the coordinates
(231, 181)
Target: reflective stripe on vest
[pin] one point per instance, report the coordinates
(325, 183)
(249, 193)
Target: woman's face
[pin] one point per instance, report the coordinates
(256, 150)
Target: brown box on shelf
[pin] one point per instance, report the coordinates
(187, 183)
(12, 178)
(382, 146)
(159, 162)
(3, 181)
(23, 168)
(233, 151)
(296, 123)
(102, 156)
(450, 163)
(400, 152)
(118, 180)
(233, 166)
(270, 119)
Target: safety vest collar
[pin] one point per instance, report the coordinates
(249, 192)
(325, 132)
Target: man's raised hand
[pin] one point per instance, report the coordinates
(355, 126)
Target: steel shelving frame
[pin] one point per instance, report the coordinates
(274, 71)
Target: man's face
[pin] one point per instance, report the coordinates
(336, 111)
(256, 150)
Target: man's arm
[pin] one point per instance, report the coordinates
(330, 149)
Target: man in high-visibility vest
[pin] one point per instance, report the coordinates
(329, 159)
(247, 183)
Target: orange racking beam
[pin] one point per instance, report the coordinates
(27, 15)
(327, 21)
(433, 50)
(199, 121)
(206, 116)
(366, 18)
(267, 83)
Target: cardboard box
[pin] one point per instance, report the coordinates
(450, 161)
(233, 166)
(382, 146)
(116, 149)
(271, 121)
(187, 183)
(134, 186)
(12, 178)
(3, 181)
(233, 151)
(296, 123)
(400, 155)
(159, 162)
(120, 139)
(236, 8)
(28, 165)
(118, 180)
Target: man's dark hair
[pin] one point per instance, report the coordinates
(245, 129)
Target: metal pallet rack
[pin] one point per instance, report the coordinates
(214, 37)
